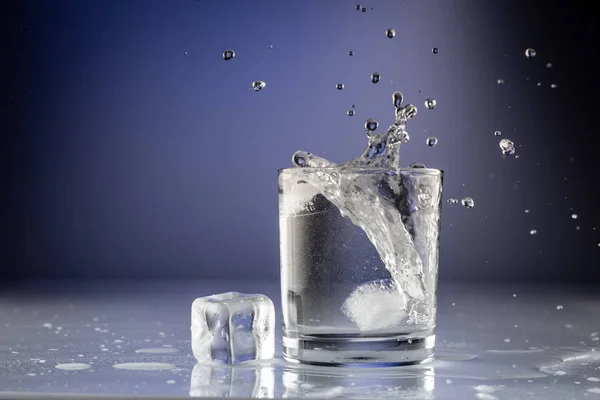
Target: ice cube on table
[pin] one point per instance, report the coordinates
(233, 327)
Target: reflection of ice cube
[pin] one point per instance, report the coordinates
(376, 305)
(239, 381)
(233, 327)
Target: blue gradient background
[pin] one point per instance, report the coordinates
(124, 158)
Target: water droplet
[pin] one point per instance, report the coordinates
(539, 83)
(350, 113)
(397, 97)
(185, 53)
(526, 211)
(298, 160)
(358, 7)
(574, 216)
(350, 53)
(430, 104)
(500, 81)
(371, 125)
(559, 307)
(578, 227)
(435, 50)
(353, 105)
(364, 9)
(257, 86)
(410, 111)
(431, 141)
(170, 382)
(549, 65)
(532, 232)
(467, 202)
(417, 165)
(530, 53)
(390, 33)
(375, 77)
(507, 147)
(554, 86)
(228, 55)
(339, 86)
(497, 133)
(270, 47)
(507, 340)
(452, 201)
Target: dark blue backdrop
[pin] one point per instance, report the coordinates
(132, 149)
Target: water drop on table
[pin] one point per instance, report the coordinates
(375, 77)
(257, 86)
(371, 124)
(530, 53)
(390, 33)
(430, 104)
(467, 202)
(228, 54)
(339, 86)
(431, 141)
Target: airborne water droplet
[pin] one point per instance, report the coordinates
(431, 141)
(390, 33)
(497, 133)
(350, 53)
(375, 77)
(350, 113)
(559, 307)
(507, 147)
(417, 165)
(257, 86)
(549, 65)
(339, 86)
(467, 202)
(410, 111)
(435, 50)
(530, 53)
(574, 216)
(397, 98)
(228, 54)
(500, 81)
(358, 7)
(430, 104)
(185, 53)
(371, 124)
(532, 232)
(452, 201)
(554, 86)
(364, 9)
(299, 160)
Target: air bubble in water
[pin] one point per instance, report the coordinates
(371, 124)
(397, 98)
(430, 104)
(532, 232)
(257, 86)
(530, 53)
(467, 202)
(507, 147)
(228, 55)
(375, 77)
(435, 50)
(431, 141)
(574, 216)
(390, 33)
(339, 86)
(350, 113)
(452, 201)
(497, 133)
(417, 165)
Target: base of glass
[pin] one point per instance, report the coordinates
(357, 351)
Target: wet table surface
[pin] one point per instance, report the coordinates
(72, 339)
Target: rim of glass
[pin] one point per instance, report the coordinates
(355, 170)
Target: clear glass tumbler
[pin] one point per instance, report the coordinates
(359, 260)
